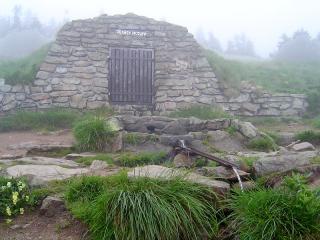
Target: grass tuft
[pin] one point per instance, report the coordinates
(143, 158)
(92, 134)
(263, 143)
(102, 157)
(308, 136)
(148, 209)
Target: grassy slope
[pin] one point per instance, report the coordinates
(25, 69)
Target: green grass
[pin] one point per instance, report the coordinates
(263, 143)
(51, 119)
(145, 209)
(316, 122)
(102, 157)
(92, 134)
(201, 112)
(248, 160)
(135, 138)
(289, 212)
(309, 136)
(23, 71)
(275, 76)
(143, 158)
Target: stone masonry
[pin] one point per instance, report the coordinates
(75, 72)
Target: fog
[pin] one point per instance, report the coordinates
(262, 21)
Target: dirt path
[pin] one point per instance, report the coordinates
(13, 138)
(33, 226)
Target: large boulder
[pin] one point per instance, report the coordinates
(161, 172)
(245, 128)
(277, 162)
(182, 160)
(224, 173)
(42, 174)
(304, 146)
(40, 161)
(52, 206)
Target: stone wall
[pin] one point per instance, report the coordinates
(75, 72)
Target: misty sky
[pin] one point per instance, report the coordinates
(263, 21)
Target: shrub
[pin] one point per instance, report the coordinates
(137, 159)
(263, 143)
(290, 212)
(248, 160)
(92, 134)
(102, 157)
(201, 112)
(14, 197)
(150, 209)
(309, 136)
(50, 120)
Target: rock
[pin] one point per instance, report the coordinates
(225, 142)
(33, 148)
(304, 146)
(247, 185)
(75, 156)
(161, 172)
(39, 175)
(98, 165)
(171, 140)
(115, 124)
(41, 161)
(275, 162)
(222, 172)
(52, 206)
(11, 156)
(245, 128)
(182, 160)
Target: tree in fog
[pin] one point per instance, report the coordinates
(299, 47)
(241, 45)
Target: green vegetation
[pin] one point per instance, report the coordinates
(143, 158)
(263, 143)
(315, 160)
(49, 120)
(289, 212)
(201, 112)
(144, 208)
(316, 122)
(232, 130)
(23, 71)
(102, 157)
(275, 76)
(92, 134)
(14, 197)
(248, 160)
(135, 138)
(309, 136)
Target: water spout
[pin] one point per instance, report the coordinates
(238, 176)
(182, 142)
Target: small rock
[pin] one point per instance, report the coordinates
(247, 185)
(98, 165)
(115, 124)
(245, 128)
(16, 226)
(304, 146)
(52, 206)
(117, 143)
(182, 160)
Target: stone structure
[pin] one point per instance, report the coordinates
(76, 72)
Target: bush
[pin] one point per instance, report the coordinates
(150, 209)
(92, 134)
(263, 143)
(49, 120)
(138, 159)
(308, 136)
(248, 160)
(201, 112)
(14, 197)
(291, 212)
(316, 122)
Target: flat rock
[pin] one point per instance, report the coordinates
(275, 162)
(32, 147)
(304, 146)
(161, 172)
(222, 172)
(75, 156)
(41, 174)
(40, 161)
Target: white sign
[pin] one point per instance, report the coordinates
(131, 33)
